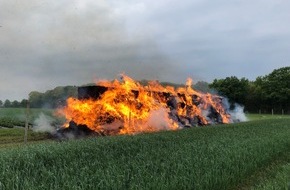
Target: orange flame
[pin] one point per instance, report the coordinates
(127, 107)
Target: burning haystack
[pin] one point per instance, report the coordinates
(127, 107)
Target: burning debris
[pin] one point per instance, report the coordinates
(127, 107)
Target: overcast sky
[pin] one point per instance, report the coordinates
(44, 44)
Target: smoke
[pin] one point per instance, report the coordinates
(85, 39)
(159, 119)
(43, 124)
(238, 114)
(113, 126)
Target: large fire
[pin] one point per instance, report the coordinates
(127, 107)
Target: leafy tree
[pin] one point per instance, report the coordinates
(265, 93)
(1, 103)
(35, 99)
(7, 103)
(15, 104)
(23, 103)
(52, 98)
(275, 89)
(233, 88)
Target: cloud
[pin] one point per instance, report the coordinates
(45, 44)
(72, 42)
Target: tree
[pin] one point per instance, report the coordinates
(1, 103)
(275, 89)
(7, 103)
(23, 103)
(236, 90)
(15, 104)
(35, 99)
(52, 98)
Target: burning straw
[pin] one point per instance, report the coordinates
(127, 107)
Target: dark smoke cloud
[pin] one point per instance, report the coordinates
(73, 42)
(44, 44)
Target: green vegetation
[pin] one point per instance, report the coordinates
(49, 99)
(266, 93)
(281, 179)
(274, 177)
(216, 157)
(10, 117)
(252, 117)
(15, 137)
(12, 123)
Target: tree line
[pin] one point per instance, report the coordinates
(49, 99)
(57, 96)
(266, 94)
(269, 93)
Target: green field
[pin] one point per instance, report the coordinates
(10, 117)
(252, 117)
(202, 158)
(250, 155)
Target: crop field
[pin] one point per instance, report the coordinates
(10, 117)
(12, 122)
(253, 117)
(250, 155)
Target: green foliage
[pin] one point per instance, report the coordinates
(275, 89)
(14, 136)
(11, 122)
(233, 88)
(7, 103)
(220, 157)
(11, 117)
(52, 98)
(265, 93)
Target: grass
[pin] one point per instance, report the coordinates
(20, 113)
(219, 157)
(15, 136)
(252, 117)
(278, 176)
(12, 122)
(10, 117)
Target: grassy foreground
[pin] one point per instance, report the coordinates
(220, 157)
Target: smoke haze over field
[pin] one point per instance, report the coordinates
(45, 44)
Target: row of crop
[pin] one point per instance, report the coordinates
(220, 157)
(11, 117)
(11, 122)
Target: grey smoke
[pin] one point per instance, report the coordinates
(43, 124)
(238, 114)
(158, 119)
(73, 43)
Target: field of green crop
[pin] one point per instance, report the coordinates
(12, 122)
(250, 155)
(252, 117)
(10, 117)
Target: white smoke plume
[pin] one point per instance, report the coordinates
(159, 119)
(43, 124)
(238, 114)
